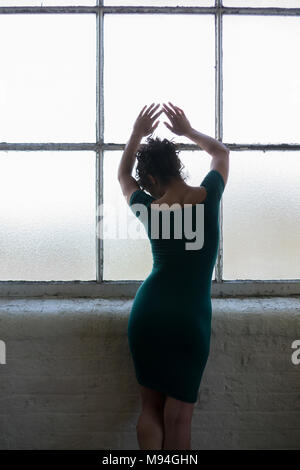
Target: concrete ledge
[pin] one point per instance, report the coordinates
(68, 381)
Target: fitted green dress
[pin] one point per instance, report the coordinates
(169, 326)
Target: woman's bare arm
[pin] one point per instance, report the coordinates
(207, 143)
(218, 151)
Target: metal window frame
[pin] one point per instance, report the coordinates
(100, 287)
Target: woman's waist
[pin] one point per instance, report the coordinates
(195, 263)
(174, 275)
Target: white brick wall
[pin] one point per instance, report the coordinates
(68, 381)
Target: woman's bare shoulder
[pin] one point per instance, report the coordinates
(193, 195)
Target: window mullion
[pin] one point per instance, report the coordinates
(219, 119)
(99, 139)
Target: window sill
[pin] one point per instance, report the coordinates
(127, 289)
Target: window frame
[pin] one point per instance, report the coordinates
(101, 287)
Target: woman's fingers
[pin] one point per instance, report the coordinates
(149, 110)
(167, 107)
(153, 111)
(168, 126)
(156, 115)
(169, 111)
(175, 107)
(142, 111)
(154, 126)
(175, 111)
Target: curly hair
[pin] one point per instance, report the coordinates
(160, 159)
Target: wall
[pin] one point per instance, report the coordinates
(68, 381)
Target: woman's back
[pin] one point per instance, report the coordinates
(185, 234)
(173, 303)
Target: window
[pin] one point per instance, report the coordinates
(68, 102)
(47, 215)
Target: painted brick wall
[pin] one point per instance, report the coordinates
(68, 381)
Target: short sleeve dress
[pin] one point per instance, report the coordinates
(169, 326)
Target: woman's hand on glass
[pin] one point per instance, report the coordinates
(180, 123)
(144, 123)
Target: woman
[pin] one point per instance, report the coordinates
(169, 326)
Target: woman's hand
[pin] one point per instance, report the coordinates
(181, 125)
(144, 122)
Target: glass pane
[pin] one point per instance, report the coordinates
(124, 257)
(127, 257)
(47, 83)
(262, 3)
(141, 67)
(261, 216)
(261, 79)
(161, 3)
(43, 3)
(47, 216)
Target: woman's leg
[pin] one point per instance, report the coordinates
(150, 425)
(177, 424)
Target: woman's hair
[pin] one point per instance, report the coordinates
(160, 159)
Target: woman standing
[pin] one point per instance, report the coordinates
(169, 326)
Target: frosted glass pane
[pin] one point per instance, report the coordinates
(262, 3)
(130, 258)
(157, 58)
(47, 83)
(261, 216)
(47, 216)
(124, 257)
(160, 3)
(261, 79)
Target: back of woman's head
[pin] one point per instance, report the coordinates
(160, 159)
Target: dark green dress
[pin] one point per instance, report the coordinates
(169, 326)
